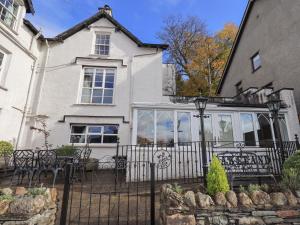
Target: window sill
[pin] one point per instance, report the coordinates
(83, 104)
(3, 88)
(114, 145)
(9, 28)
(99, 56)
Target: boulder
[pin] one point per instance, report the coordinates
(20, 191)
(232, 198)
(292, 200)
(204, 201)
(4, 206)
(260, 198)
(27, 205)
(220, 199)
(179, 219)
(245, 201)
(297, 193)
(172, 198)
(6, 191)
(278, 199)
(189, 199)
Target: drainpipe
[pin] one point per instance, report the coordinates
(28, 90)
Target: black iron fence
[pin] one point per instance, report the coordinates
(124, 189)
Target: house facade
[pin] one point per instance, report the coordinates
(98, 84)
(266, 50)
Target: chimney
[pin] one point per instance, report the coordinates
(106, 9)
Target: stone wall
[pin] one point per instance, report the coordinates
(36, 206)
(258, 207)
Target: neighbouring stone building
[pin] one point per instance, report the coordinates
(266, 50)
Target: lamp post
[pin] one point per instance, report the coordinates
(200, 103)
(274, 107)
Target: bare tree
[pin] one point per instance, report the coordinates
(182, 35)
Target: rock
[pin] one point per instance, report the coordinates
(171, 198)
(204, 201)
(218, 220)
(231, 198)
(292, 200)
(272, 220)
(245, 201)
(260, 198)
(20, 191)
(278, 199)
(189, 199)
(220, 199)
(263, 213)
(179, 219)
(297, 193)
(251, 221)
(27, 205)
(53, 192)
(6, 191)
(4, 206)
(287, 213)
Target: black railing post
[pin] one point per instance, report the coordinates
(117, 165)
(65, 201)
(152, 202)
(297, 141)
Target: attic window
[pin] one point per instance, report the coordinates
(102, 44)
(256, 61)
(8, 12)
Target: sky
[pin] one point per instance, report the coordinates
(144, 18)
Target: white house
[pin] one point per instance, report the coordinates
(97, 82)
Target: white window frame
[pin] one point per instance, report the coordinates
(15, 16)
(253, 59)
(95, 44)
(86, 134)
(2, 66)
(79, 101)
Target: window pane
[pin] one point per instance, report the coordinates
(95, 129)
(98, 80)
(283, 128)
(86, 95)
(77, 139)
(165, 127)
(248, 129)
(110, 129)
(264, 129)
(145, 129)
(208, 130)
(97, 93)
(97, 100)
(110, 139)
(107, 100)
(108, 93)
(256, 62)
(88, 80)
(78, 129)
(225, 129)
(94, 139)
(184, 127)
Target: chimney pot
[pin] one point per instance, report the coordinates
(106, 9)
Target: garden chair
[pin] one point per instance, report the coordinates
(80, 163)
(47, 162)
(23, 162)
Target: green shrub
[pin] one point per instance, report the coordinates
(253, 187)
(66, 150)
(37, 191)
(291, 173)
(217, 178)
(6, 148)
(265, 188)
(242, 189)
(293, 162)
(290, 179)
(9, 198)
(177, 188)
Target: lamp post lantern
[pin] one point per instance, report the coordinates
(200, 103)
(274, 107)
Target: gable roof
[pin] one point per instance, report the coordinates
(29, 6)
(102, 14)
(32, 28)
(236, 43)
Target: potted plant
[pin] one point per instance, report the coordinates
(6, 150)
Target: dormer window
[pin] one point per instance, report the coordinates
(8, 12)
(102, 44)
